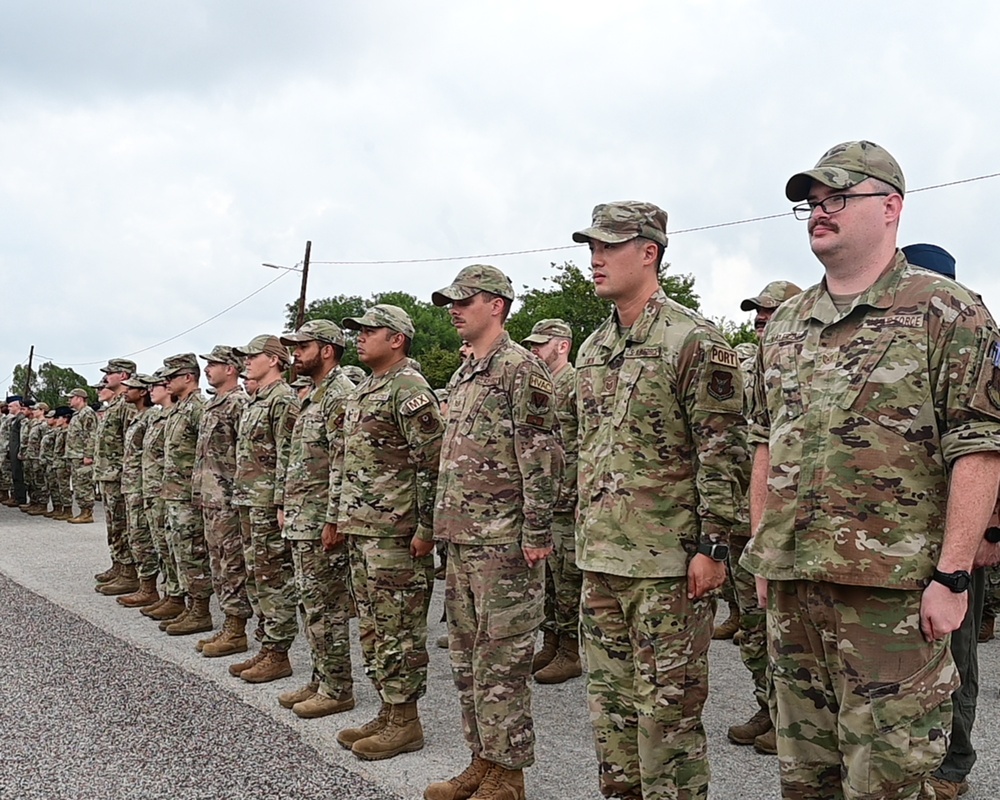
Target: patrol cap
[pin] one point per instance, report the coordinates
(119, 365)
(932, 257)
(179, 365)
(42, 405)
(772, 296)
(138, 381)
(472, 280)
(316, 330)
(623, 221)
(99, 385)
(545, 329)
(74, 393)
(383, 315)
(846, 165)
(746, 350)
(354, 374)
(265, 343)
(302, 382)
(223, 354)
(63, 411)
(158, 378)
(50, 414)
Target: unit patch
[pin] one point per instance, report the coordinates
(720, 384)
(414, 404)
(724, 357)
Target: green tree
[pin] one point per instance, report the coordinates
(737, 334)
(50, 383)
(570, 297)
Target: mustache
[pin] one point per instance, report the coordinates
(827, 224)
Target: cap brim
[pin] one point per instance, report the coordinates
(290, 339)
(536, 338)
(798, 185)
(750, 304)
(450, 294)
(355, 323)
(601, 235)
(245, 353)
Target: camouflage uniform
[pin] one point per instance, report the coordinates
(34, 472)
(46, 462)
(139, 537)
(62, 496)
(212, 491)
(185, 528)
(80, 441)
(501, 461)
(6, 479)
(661, 442)
(864, 411)
(386, 485)
(263, 441)
(322, 577)
(153, 455)
(108, 452)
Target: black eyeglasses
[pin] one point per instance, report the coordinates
(831, 205)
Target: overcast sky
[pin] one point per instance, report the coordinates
(152, 155)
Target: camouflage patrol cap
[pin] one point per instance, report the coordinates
(158, 378)
(119, 365)
(223, 354)
(773, 295)
(846, 165)
(383, 316)
(316, 330)
(354, 374)
(41, 405)
(180, 364)
(746, 350)
(545, 329)
(138, 381)
(75, 393)
(265, 343)
(302, 382)
(99, 385)
(50, 414)
(623, 221)
(471, 281)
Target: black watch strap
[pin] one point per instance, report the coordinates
(958, 581)
(716, 552)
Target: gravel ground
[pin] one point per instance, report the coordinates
(98, 703)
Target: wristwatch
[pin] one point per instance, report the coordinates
(958, 582)
(716, 552)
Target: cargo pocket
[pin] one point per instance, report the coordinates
(523, 617)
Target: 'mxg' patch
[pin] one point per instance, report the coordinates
(538, 382)
(724, 357)
(414, 404)
(720, 384)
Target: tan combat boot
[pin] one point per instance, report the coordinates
(501, 783)
(85, 517)
(758, 724)
(320, 705)
(347, 737)
(550, 646)
(273, 665)
(64, 513)
(232, 639)
(290, 698)
(945, 789)
(402, 733)
(170, 609)
(565, 665)
(53, 513)
(154, 605)
(197, 620)
(38, 510)
(109, 574)
(728, 628)
(166, 622)
(143, 596)
(125, 582)
(236, 669)
(766, 743)
(463, 785)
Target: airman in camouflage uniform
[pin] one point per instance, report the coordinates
(6, 484)
(262, 445)
(46, 462)
(108, 452)
(34, 471)
(660, 408)
(80, 441)
(501, 463)
(309, 522)
(62, 494)
(185, 525)
(559, 659)
(877, 412)
(171, 604)
(138, 535)
(386, 484)
(213, 482)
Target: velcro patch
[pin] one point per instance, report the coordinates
(724, 357)
(414, 404)
(642, 352)
(538, 382)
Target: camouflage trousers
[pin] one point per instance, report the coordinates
(862, 702)
(186, 540)
(140, 539)
(392, 591)
(991, 603)
(116, 521)
(322, 580)
(563, 580)
(268, 557)
(156, 518)
(646, 645)
(58, 478)
(225, 555)
(753, 622)
(83, 484)
(495, 603)
(34, 477)
(6, 478)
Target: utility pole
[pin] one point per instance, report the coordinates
(301, 318)
(27, 375)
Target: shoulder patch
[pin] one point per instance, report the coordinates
(724, 356)
(414, 404)
(538, 382)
